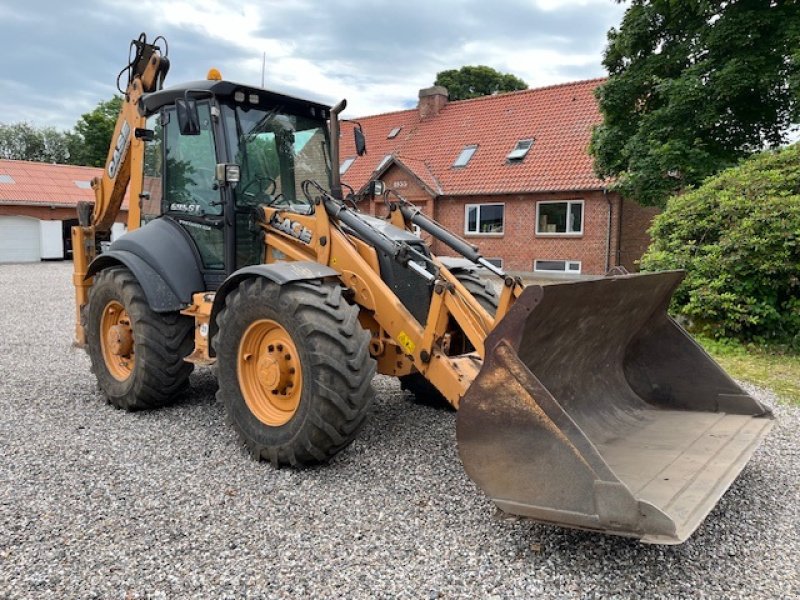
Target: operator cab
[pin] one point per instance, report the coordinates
(197, 134)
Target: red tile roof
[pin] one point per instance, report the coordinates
(45, 183)
(560, 118)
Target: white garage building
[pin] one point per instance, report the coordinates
(37, 209)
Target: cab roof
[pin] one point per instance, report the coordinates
(152, 102)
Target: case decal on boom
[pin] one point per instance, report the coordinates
(120, 148)
(293, 228)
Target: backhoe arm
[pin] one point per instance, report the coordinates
(146, 72)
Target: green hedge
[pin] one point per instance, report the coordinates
(738, 237)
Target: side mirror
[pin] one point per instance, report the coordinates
(188, 119)
(361, 141)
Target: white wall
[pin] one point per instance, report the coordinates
(51, 242)
(19, 239)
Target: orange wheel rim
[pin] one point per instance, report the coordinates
(116, 340)
(270, 375)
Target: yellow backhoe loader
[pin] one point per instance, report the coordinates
(580, 404)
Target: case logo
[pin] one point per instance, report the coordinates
(292, 228)
(120, 148)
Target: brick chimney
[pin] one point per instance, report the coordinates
(431, 101)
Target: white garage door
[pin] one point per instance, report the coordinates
(19, 239)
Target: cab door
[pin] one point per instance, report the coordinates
(191, 194)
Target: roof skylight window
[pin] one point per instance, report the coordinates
(346, 165)
(84, 185)
(466, 154)
(6, 179)
(520, 150)
(393, 133)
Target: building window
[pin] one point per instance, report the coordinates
(383, 162)
(485, 219)
(557, 266)
(520, 150)
(554, 218)
(6, 178)
(393, 133)
(346, 165)
(84, 185)
(463, 158)
(497, 262)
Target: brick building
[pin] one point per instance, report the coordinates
(37, 209)
(510, 172)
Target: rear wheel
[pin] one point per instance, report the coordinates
(137, 354)
(294, 368)
(422, 390)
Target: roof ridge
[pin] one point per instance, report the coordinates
(47, 164)
(487, 97)
(527, 91)
(383, 114)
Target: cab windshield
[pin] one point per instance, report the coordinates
(276, 153)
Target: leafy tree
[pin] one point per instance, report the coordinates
(23, 141)
(90, 142)
(695, 85)
(475, 81)
(738, 237)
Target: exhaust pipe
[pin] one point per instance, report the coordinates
(336, 183)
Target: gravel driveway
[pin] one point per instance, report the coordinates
(97, 503)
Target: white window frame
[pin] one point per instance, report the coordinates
(346, 164)
(472, 149)
(394, 132)
(566, 271)
(569, 204)
(478, 220)
(520, 150)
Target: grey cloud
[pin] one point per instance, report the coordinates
(409, 35)
(61, 58)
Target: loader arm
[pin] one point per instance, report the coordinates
(643, 435)
(123, 170)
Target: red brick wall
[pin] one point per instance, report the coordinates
(520, 245)
(636, 220)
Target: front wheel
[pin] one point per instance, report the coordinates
(137, 354)
(294, 369)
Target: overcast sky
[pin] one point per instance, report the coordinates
(61, 57)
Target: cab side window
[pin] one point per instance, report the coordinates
(191, 160)
(153, 166)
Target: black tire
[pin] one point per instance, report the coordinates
(335, 365)
(423, 391)
(160, 343)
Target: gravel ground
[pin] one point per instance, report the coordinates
(97, 503)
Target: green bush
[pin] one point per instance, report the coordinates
(738, 238)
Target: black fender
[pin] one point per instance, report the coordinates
(280, 273)
(163, 261)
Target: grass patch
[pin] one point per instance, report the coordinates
(775, 369)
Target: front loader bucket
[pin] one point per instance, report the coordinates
(594, 409)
